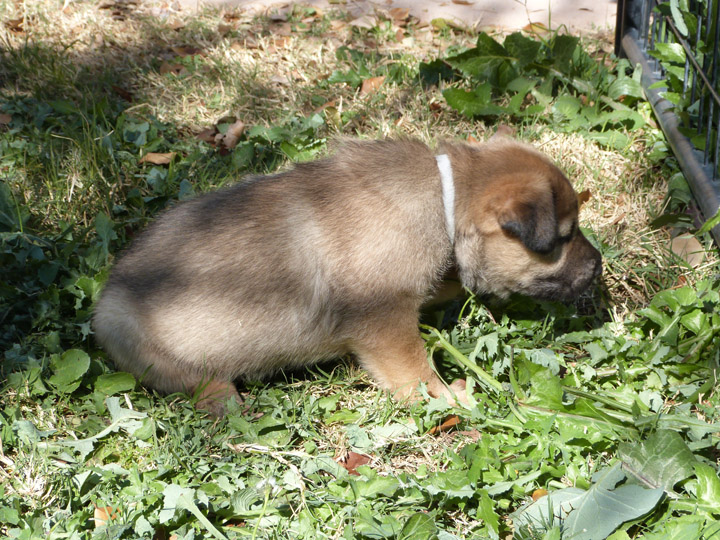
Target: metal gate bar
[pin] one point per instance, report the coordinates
(640, 26)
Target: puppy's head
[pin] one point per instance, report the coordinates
(518, 224)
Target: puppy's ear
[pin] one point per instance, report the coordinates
(503, 131)
(533, 222)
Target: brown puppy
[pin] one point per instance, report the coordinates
(335, 257)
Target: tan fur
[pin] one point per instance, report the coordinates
(335, 257)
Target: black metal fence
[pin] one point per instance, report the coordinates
(681, 50)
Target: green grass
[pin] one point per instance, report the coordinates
(564, 395)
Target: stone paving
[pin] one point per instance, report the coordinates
(575, 15)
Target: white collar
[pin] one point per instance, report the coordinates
(448, 193)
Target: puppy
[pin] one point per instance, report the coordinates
(336, 257)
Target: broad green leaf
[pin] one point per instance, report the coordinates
(122, 418)
(435, 71)
(566, 106)
(27, 432)
(113, 383)
(144, 528)
(678, 528)
(375, 525)
(612, 139)
(669, 52)
(69, 369)
(486, 512)
(378, 485)
(87, 287)
(696, 321)
(578, 509)
(563, 49)
(186, 190)
(451, 483)
(625, 86)
(522, 48)
(677, 15)
(9, 516)
(104, 228)
(661, 461)
(135, 133)
(477, 103)
(487, 62)
(418, 527)
(183, 498)
(546, 390)
(708, 489)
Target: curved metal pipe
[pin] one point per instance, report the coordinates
(699, 176)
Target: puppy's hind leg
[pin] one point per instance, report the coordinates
(213, 395)
(211, 391)
(118, 329)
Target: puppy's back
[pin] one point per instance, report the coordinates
(266, 274)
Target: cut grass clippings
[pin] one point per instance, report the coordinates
(589, 420)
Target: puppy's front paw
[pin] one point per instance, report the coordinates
(454, 393)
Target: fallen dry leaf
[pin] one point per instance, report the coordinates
(247, 43)
(619, 218)
(15, 25)
(167, 67)
(688, 248)
(281, 42)
(336, 25)
(187, 51)
(365, 21)
(536, 28)
(441, 24)
(327, 104)
(126, 95)
(279, 78)
(353, 461)
(447, 424)
(176, 25)
(207, 135)
(233, 134)
(473, 434)
(539, 493)
(224, 29)
(284, 29)
(5, 119)
(103, 514)
(463, 2)
(157, 158)
(371, 85)
(399, 14)
(472, 140)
